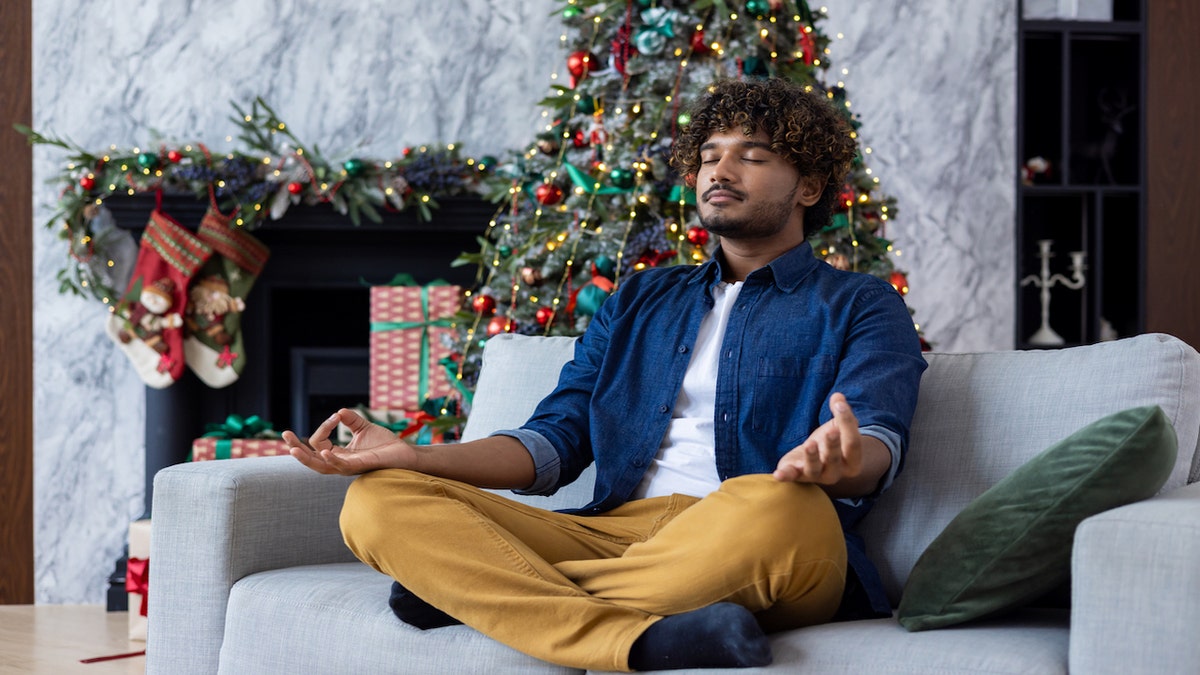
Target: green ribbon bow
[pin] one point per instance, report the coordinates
(588, 184)
(424, 325)
(236, 426)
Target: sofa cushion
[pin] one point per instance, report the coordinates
(335, 619)
(980, 416)
(1013, 543)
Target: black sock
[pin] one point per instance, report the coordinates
(415, 611)
(723, 635)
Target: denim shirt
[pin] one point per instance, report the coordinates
(800, 330)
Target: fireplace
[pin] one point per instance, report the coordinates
(306, 325)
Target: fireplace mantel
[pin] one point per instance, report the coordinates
(306, 325)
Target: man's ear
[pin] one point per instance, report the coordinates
(809, 190)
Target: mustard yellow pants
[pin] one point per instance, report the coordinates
(579, 590)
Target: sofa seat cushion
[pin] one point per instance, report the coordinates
(1028, 642)
(334, 619)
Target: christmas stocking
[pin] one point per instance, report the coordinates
(147, 323)
(215, 302)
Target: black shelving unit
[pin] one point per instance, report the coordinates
(1081, 106)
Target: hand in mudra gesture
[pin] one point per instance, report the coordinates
(371, 447)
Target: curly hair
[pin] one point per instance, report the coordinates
(804, 129)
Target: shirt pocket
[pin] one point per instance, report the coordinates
(788, 393)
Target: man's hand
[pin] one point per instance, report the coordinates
(833, 453)
(372, 447)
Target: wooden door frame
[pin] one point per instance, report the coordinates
(16, 305)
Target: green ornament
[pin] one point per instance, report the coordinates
(645, 4)
(758, 7)
(586, 105)
(589, 299)
(604, 266)
(684, 119)
(354, 167)
(504, 251)
(487, 163)
(571, 12)
(147, 160)
(622, 178)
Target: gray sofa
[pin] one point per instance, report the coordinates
(249, 574)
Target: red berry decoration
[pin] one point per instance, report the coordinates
(295, 188)
(483, 304)
(544, 315)
(174, 156)
(900, 282)
(548, 194)
(697, 235)
(500, 324)
(87, 182)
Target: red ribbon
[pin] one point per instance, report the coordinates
(137, 579)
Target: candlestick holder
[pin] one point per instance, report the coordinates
(1045, 335)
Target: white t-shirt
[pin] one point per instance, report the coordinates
(686, 462)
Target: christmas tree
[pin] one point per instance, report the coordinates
(594, 199)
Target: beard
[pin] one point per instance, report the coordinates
(762, 220)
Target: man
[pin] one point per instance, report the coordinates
(742, 415)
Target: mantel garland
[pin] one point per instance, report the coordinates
(271, 171)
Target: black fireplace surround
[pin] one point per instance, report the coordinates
(306, 326)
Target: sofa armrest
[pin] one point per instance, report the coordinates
(1135, 598)
(217, 522)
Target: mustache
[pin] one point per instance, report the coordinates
(723, 187)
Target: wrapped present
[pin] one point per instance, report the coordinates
(137, 577)
(238, 437)
(408, 323)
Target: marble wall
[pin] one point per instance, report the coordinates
(932, 79)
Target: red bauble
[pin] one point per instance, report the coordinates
(697, 235)
(699, 46)
(483, 304)
(580, 63)
(174, 156)
(500, 324)
(900, 282)
(295, 188)
(846, 199)
(87, 182)
(548, 194)
(544, 315)
(580, 139)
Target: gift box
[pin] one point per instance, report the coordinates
(238, 437)
(137, 577)
(410, 328)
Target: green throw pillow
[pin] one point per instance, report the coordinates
(1013, 543)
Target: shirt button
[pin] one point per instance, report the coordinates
(663, 408)
(639, 462)
(682, 349)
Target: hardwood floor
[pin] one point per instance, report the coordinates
(53, 639)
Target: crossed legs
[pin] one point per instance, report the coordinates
(581, 590)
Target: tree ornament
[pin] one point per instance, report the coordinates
(544, 315)
(483, 304)
(845, 199)
(684, 119)
(571, 12)
(531, 276)
(354, 167)
(87, 182)
(501, 324)
(547, 146)
(758, 7)
(899, 282)
(697, 235)
(579, 139)
(580, 64)
(147, 160)
(487, 162)
(622, 178)
(548, 194)
(295, 188)
(174, 156)
(699, 46)
(586, 105)
(591, 296)
(505, 251)
(604, 266)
